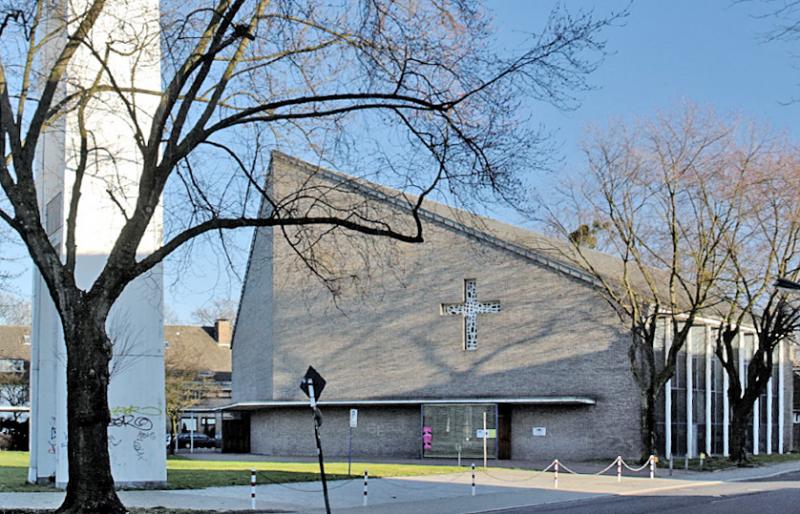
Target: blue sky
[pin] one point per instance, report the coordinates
(711, 53)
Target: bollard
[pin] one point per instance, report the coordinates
(686, 461)
(366, 486)
(670, 465)
(555, 475)
(473, 479)
(252, 489)
(619, 468)
(652, 467)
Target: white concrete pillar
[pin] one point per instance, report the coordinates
(135, 324)
(781, 398)
(709, 355)
(689, 395)
(756, 411)
(769, 416)
(667, 398)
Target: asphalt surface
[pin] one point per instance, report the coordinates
(775, 495)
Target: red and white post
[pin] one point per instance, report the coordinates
(252, 489)
(652, 467)
(366, 487)
(619, 468)
(555, 474)
(473, 479)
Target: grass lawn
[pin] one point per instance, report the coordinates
(717, 463)
(183, 473)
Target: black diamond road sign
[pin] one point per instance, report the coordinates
(316, 380)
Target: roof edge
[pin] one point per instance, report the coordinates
(530, 400)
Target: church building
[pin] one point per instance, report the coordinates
(484, 322)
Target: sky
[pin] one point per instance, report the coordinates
(712, 53)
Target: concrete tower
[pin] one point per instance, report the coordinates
(128, 32)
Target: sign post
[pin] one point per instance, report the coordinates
(313, 384)
(353, 424)
(485, 435)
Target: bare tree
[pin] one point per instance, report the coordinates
(219, 308)
(185, 386)
(413, 87)
(15, 392)
(14, 310)
(171, 317)
(763, 248)
(661, 195)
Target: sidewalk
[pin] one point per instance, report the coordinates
(443, 494)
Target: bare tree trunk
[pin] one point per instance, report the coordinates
(173, 423)
(91, 485)
(648, 420)
(742, 418)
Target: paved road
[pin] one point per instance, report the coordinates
(776, 495)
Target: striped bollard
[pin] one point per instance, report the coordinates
(619, 468)
(473, 479)
(252, 489)
(366, 486)
(652, 467)
(555, 475)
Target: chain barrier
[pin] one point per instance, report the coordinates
(545, 470)
(555, 466)
(640, 468)
(607, 467)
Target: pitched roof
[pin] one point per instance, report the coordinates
(193, 347)
(14, 342)
(538, 248)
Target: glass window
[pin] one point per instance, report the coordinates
(698, 360)
(717, 399)
(679, 404)
(448, 429)
(12, 365)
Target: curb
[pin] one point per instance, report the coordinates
(768, 475)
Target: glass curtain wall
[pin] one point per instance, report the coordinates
(717, 399)
(747, 341)
(660, 356)
(450, 429)
(678, 411)
(775, 403)
(698, 364)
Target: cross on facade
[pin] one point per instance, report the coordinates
(470, 309)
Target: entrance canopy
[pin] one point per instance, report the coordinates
(528, 400)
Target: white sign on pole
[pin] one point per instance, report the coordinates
(353, 418)
(539, 431)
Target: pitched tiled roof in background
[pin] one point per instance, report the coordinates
(14, 342)
(195, 347)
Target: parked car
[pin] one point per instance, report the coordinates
(200, 440)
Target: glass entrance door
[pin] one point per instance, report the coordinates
(446, 429)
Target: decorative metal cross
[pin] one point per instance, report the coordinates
(470, 309)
